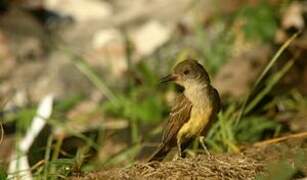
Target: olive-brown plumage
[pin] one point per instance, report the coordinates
(194, 110)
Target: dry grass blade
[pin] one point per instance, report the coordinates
(279, 139)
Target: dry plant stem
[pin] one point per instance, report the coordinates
(38, 164)
(279, 139)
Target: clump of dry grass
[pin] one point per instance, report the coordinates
(202, 166)
(252, 162)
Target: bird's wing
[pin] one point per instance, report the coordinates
(179, 115)
(217, 100)
(216, 105)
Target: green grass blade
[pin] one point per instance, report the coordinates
(274, 59)
(84, 68)
(276, 77)
(126, 154)
(94, 78)
(47, 156)
(264, 72)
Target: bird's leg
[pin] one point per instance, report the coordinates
(202, 143)
(178, 154)
(179, 148)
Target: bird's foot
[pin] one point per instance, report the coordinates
(179, 153)
(176, 157)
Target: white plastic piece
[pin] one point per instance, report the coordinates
(43, 113)
(19, 166)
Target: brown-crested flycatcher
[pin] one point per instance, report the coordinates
(194, 110)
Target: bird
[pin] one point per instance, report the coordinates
(194, 110)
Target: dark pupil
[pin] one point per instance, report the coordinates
(186, 72)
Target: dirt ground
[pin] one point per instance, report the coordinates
(253, 161)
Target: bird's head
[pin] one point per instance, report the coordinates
(188, 72)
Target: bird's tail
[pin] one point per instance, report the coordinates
(159, 154)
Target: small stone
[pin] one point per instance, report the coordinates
(80, 10)
(150, 36)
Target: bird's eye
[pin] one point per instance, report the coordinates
(186, 72)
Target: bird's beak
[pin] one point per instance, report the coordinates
(168, 78)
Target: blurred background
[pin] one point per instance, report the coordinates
(102, 60)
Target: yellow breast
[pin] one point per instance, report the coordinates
(197, 122)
